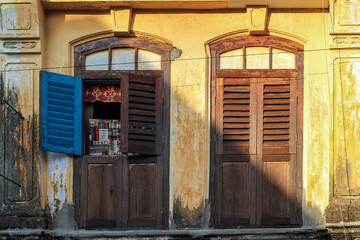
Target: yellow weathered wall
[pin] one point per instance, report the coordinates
(189, 129)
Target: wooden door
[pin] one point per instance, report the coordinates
(126, 191)
(256, 132)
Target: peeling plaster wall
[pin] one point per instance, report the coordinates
(20, 49)
(57, 178)
(189, 134)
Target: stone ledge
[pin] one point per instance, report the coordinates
(261, 233)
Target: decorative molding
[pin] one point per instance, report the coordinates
(18, 20)
(257, 19)
(16, 17)
(122, 20)
(345, 41)
(20, 46)
(346, 16)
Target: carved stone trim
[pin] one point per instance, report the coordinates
(20, 46)
(345, 41)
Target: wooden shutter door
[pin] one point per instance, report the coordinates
(235, 151)
(277, 149)
(141, 117)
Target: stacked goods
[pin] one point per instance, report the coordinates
(104, 137)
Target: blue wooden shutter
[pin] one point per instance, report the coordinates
(61, 122)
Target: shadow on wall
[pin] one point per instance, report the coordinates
(235, 193)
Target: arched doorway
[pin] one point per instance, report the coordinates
(256, 119)
(123, 182)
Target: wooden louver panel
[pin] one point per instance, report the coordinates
(141, 114)
(276, 116)
(233, 120)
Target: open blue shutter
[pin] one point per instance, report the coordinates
(61, 122)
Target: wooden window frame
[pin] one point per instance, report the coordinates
(229, 44)
(163, 49)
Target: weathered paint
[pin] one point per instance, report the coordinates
(57, 179)
(189, 133)
(189, 160)
(19, 157)
(347, 126)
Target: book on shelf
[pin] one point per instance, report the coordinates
(104, 137)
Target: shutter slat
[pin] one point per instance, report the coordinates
(236, 137)
(277, 95)
(59, 109)
(276, 119)
(142, 87)
(62, 97)
(61, 133)
(141, 100)
(142, 94)
(63, 91)
(141, 137)
(147, 80)
(142, 131)
(237, 95)
(276, 107)
(276, 131)
(236, 101)
(276, 89)
(60, 121)
(276, 113)
(236, 119)
(237, 107)
(142, 124)
(276, 125)
(277, 101)
(236, 125)
(276, 137)
(142, 119)
(236, 113)
(60, 84)
(60, 127)
(60, 103)
(142, 106)
(236, 131)
(61, 113)
(141, 112)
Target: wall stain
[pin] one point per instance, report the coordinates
(184, 217)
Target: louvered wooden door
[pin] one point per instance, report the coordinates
(255, 151)
(125, 191)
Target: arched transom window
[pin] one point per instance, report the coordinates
(257, 58)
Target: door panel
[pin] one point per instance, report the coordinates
(101, 178)
(276, 195)
(142, 194)
(256, 149)
(235, 197)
